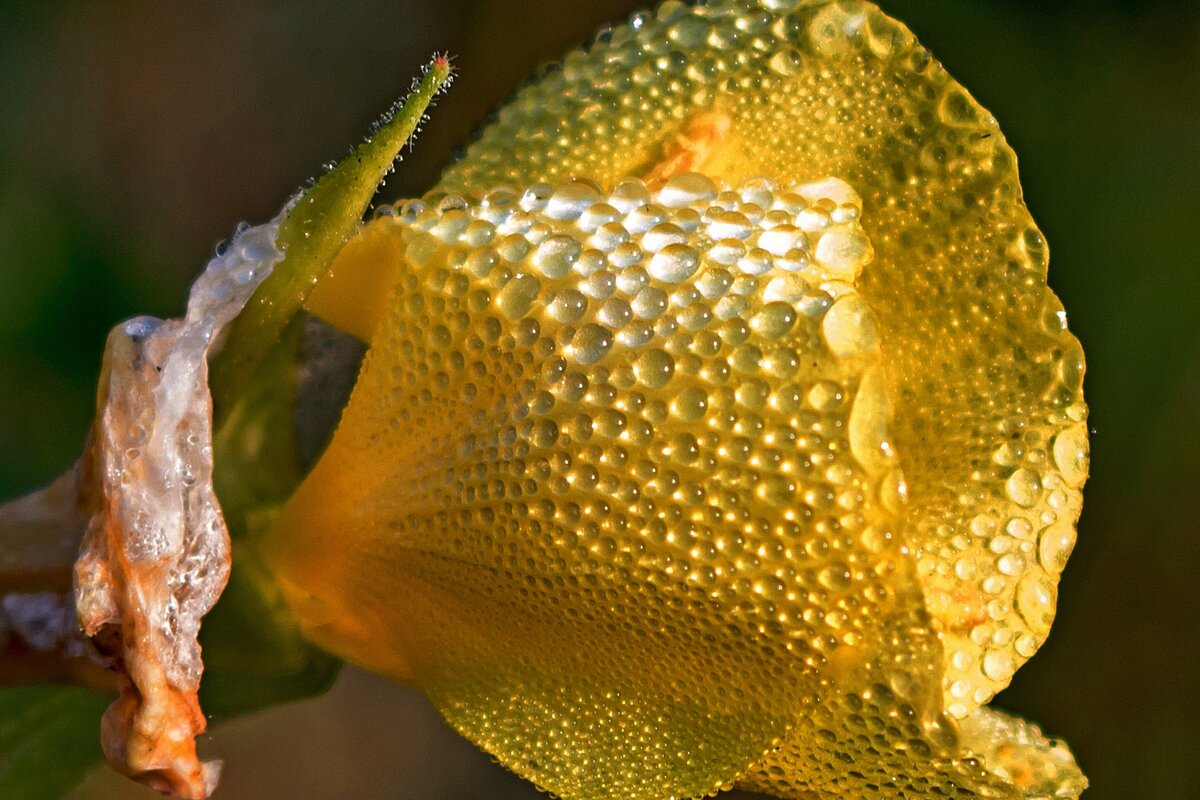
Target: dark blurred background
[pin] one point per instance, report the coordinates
(133, 137)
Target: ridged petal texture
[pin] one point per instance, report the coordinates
(761, 469)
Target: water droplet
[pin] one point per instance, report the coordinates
(591, 343)
(690, 404)
(773, 320)
(729, 225)
(787, 62)
(513, 248)
(825, 396)
(615, 313)
(662, 235)
(844, 250)
(629, 195)
(654, 368)
(555, 256)
(689, 31)
(868, 423)
(674, 263)
(568, 305)
(998, 665)
(536, 197)
(1012, 564)
(1055, 546)
(834, 189)
(1024, 487)
(571, 200)
(650, 303)
(835, 577)
(518, 295)
(893, 491)
(1072, 367)
(1071, 455)
(1025, 645)
(849, 328)
(544, 433)
(1036, 599)
(685, 189)
(781, 240)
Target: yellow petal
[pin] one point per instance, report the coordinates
(612, 500)
(985, 377)
(623, 483)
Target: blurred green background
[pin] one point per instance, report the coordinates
(133, 137)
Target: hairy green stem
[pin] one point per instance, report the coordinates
(320, 222)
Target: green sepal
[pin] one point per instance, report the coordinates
(317, 225)
(254, 653)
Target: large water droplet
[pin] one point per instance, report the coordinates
(568, 305)
(518, 295)
(685, 189)
(998, 665)
(674, 263)
(1024, 487)
(849, 328)
(555, 256)
(1071, 455)
(571, 200)
(591, 343)
(654, 368)
(1036, 598)
(844, 251)
(1055, 546)
(868, 423)
(774, 320)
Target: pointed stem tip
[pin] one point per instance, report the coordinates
(314, 229)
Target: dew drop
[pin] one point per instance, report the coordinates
(568, 305)
(689, 31)
(1071, 455)
(868, 423)
(774, 320)
(1055, 546)
(591, 343)
(844, 251)
(555, 256)
(615, 313)
(674, 263)
(518, 295)
(629, 195)
(835, 189)
(785, 289)
(998, 665)
(849, 328)
(654, 368)
(787, 62)
(690, 404)
(1036, 599)
(536, 197)
(1024, 487)
(662, 235)
(685, 189)
(571, 200)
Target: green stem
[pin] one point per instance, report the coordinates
(320, 222)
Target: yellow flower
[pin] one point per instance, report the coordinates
(718, 426)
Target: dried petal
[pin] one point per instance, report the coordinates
(155, 555)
